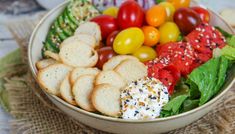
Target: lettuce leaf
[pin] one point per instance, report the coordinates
(190, 104)
(230, 38)
(194, 93)
(181, 88)
(209, 78)
(173, 107)
(231, 41)
(228, 52)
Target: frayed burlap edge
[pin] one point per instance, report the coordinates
(36, 114)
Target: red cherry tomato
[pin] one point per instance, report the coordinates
(105, 53)
(107, 24)
(203, 13)
(101, 44)
(130, 15)
(111, 37)
(187, 20)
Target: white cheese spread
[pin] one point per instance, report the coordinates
(143, 99)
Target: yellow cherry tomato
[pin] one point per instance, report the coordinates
(151, 35)
(156, 16)
(145, 53)
(180, 3)
(169, 32)
(112, 11)
(170, 10)
(128, 41)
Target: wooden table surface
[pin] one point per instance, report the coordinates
(8, 44)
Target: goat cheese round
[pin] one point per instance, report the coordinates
(143, 99)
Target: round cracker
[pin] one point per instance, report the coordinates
(78, 54)
(106, 99)
(66, 91)
(82, 89)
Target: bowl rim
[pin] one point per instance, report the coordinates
(112, 119)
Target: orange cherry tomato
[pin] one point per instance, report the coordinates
(156, 15)
(180, 3)
(151, 35)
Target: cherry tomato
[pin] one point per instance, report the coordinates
(151, 35)
(105, 53)
(110, 38)
(203, 14)
(101, 44)
(145, 53)
(112, 11)
(156, 15)
(187, 20)
(170, 10)
(180, 3)
(130, 15)
(169, 32)
(128, 40)
(107, 24)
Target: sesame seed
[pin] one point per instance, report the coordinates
(198, 29)
(214, 35)
(213, 28)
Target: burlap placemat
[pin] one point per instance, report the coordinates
(36, 114)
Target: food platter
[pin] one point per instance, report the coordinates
(153, 125)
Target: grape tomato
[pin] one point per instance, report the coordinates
(169, 32)
(104, 53)
(128, 40)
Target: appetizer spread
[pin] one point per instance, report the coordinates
(134, 60)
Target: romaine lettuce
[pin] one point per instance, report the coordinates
(228, 52)
(231, 41)
(189, 105)
(209, 78)
(173, 106)
(230, 38)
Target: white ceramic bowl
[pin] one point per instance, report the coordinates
(49, 4)
(115, 125)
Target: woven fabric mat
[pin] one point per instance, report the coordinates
(34, 113)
